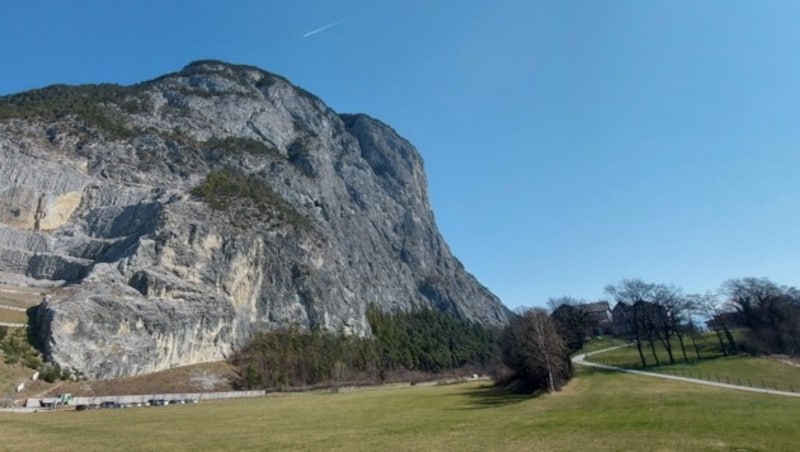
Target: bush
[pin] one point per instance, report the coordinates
(50, 372)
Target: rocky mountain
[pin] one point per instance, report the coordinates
(187, 212)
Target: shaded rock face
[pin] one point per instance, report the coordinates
(190, 211)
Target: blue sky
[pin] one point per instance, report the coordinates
(568, 144)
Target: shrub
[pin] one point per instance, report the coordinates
(50, 372)
(16, 348)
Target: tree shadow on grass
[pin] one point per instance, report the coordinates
(493, 397)
(666, 366)
(586, 371)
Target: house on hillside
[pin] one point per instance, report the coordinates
(597, 316)
(620, 325)
(600, 317)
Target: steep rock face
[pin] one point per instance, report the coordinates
(194, 209)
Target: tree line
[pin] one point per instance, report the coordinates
(423, 341)
(409, 344)
(751, 315)
(764, 315)
(532, 353)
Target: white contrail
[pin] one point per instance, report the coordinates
(321, 29)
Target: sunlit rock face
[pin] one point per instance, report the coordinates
(190, 211)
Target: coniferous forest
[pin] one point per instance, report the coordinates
(404, 346)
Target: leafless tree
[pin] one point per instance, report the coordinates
(769, 311)
(535, 351)
(572, 320)
(649, 319)
(694, 333)
(670, 313)
(556, 302)
(680, 318)
(630, 292)
(708, 305)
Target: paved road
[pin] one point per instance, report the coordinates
(581, 361)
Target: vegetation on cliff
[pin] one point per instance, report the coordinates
(16, 348)
(247, 197)
(91, 103)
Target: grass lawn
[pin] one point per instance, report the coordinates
(598, 410)
(600, 343)
(739, 369)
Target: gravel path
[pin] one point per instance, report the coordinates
(581, 361)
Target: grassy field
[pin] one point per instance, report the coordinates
(714, 366)
(601, 343)
(598, 410)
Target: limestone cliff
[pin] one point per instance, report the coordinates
(189, 211)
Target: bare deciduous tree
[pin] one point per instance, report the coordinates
(669, 315)
(709, 306)
(572, 320)
(631, 292)
(769, 311)
(535, 351)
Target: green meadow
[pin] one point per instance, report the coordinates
(741, 369)
(598, 410)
